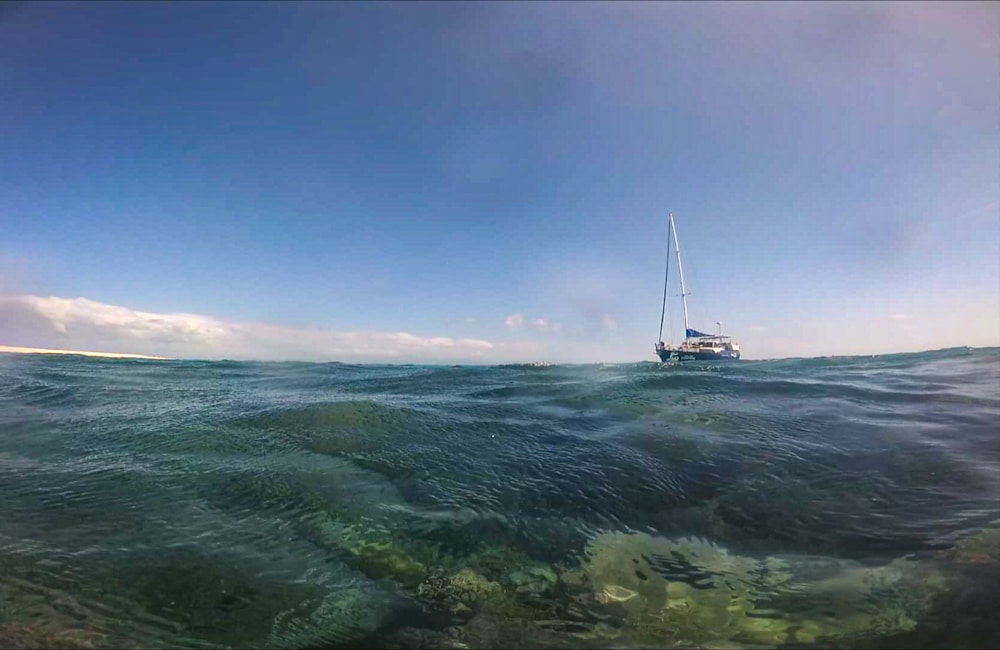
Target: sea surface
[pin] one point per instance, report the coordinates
(829, 502)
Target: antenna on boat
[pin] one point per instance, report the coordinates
(666, 276)
(720, 327)
(680, 269)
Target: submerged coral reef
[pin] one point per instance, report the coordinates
(693, 591)
(638, 590)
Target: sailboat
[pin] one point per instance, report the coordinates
(697, 346)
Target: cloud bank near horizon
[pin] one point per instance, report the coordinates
(83, 324)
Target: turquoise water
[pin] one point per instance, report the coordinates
(835, 502)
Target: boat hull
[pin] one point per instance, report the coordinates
(687, 355)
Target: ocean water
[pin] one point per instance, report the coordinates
(832, 502)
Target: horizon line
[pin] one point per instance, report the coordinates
(13, 349)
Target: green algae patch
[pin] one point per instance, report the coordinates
(368, 547)
(384, 559)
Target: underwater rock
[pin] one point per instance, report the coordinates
(413, 638)
(492, 630)
(367, 546)
(533, 581)
(344, 617)
(379, 559)
(616, 594)
(465, 587)
(495, 562)
(34, 635)
(472, 584)
(344, 427)
(524, 595)
(980, 548)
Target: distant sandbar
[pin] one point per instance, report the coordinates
(110, 355)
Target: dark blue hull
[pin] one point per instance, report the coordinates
(725, 355)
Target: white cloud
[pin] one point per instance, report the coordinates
(83, 324)
(988, 208)
(519, 320)
(514, 321)
(83, 314)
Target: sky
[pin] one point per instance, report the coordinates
(490, 183)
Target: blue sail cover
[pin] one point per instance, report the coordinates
(693, 333)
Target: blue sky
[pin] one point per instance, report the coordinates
(324, 180)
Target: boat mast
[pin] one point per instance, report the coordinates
(680, 269)
(666, 277)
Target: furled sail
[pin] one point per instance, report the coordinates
(695, 333)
